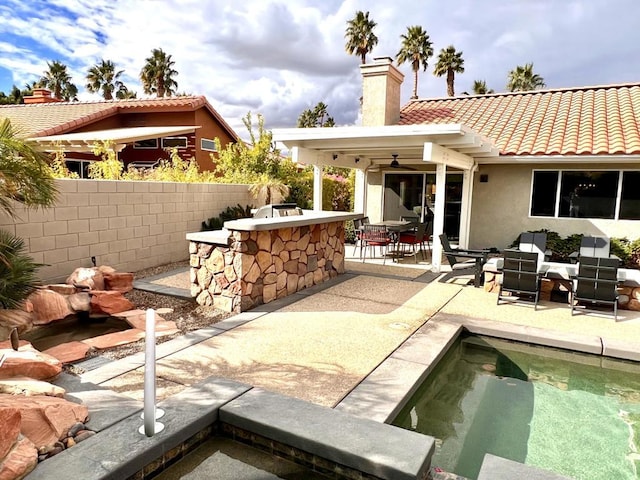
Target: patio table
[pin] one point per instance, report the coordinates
(395, 228)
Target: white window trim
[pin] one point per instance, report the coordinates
(616, 213)
(186, 142)
(208, 149)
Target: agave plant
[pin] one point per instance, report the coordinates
(17, 271)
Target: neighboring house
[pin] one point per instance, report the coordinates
(141, 129)
(490, 166)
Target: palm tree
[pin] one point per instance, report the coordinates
(58, 80)
(124, 93)
(450, 62)
(103, 77)
(157, 74)
(417, 49)
(523, 79)
(360, 36)
(318, 117)
(480, 88)
(25, 176)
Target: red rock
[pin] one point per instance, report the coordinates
(121, 282)
(80, 302)
(109, 302)
(21, 460)
(10, 319)
(68, 352)
(62, 288)
(45, 419)
(90, 278)
(28, 362)
(115, 339)
(105, 269)
(29, 386)
(49, 306)
(10, 420)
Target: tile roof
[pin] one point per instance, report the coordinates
(43, 119)
(574, 121)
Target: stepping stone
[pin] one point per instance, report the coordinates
(115, 339)
(69, 352)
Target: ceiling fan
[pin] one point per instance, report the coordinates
(395, 164)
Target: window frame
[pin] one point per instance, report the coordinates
(186, 142)
(145, 148)
(208, 149)
(560, 171)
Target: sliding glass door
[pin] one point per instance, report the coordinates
(414, 194)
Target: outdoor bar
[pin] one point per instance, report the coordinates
(257, 260)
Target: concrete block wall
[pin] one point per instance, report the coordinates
(127, 225)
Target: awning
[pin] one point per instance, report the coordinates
(84, 141)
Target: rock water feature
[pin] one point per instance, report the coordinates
(36, 421)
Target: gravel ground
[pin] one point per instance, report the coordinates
(187, 314)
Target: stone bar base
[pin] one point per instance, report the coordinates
(257, 267)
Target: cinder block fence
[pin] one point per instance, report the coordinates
(127, 225)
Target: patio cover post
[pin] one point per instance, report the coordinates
(360, 193)
(465, 213)
(317, 187)
(438, 217)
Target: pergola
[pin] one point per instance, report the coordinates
(369, 149)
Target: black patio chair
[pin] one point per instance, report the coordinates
(417, 237)
(593, 246)
(357, 225)
(520, 277)
(596, 283)
(462, 259)
(535, 242)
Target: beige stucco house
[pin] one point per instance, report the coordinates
(489, 166)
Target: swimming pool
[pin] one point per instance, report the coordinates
(575, 414)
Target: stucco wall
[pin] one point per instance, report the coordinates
(500, 208)
(127, 225)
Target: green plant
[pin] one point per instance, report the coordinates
(109, 168)
(230, 213)
(17, 271)
(349, 232)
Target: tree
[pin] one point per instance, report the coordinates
(157, 74)
(360, 36)
(318, 117)
(450, 62)
(102, 77)
(58, 80)
(24, 174)
(416, 49)
(124, 93)
(479, 87)
(523, 79)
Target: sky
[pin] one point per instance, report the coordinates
(278, 58)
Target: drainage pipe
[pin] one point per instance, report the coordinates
(150, 414)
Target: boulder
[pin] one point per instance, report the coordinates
(45, 420)
(28, 362)
(109, 302)
(10, 420)
(120, 282)
(10, 319)
(90, 278)
(20, 460)
(28, 387)
(104, 269)
(62, 288)
(48, 306)
(80, 302)
(68, 352)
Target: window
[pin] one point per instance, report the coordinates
(80, 167)
(174, 142)
(585, 194)
(148, 143)
(209, 145)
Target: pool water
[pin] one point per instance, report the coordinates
(575, 414)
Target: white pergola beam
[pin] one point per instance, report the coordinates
(441, 155)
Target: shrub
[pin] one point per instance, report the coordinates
(230, 213)
(349, 232)
(17, 271)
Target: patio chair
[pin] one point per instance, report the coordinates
(470, 259)
(593, 246)
(413, 238)
(357, 225)
(375, 236)
(596, 283)
(535, 242)
(520, 277)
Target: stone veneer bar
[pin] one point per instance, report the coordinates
(256, 261)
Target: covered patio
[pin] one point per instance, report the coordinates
(375, 152)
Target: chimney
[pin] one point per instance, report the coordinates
(381, 82)
(40, 95)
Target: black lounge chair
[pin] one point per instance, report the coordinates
(593, 246)
(470, 259)
(596, 283)
(534, 242)
(520, 277)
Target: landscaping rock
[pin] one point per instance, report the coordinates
(109, 302)
(48, 306)
(89, 278)
(21, 460)
(10, 420)
(120, 282)
(69, 352)
(80, 302)
(28, 362)
(44, 420)
(28, 387)
(10, 319)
